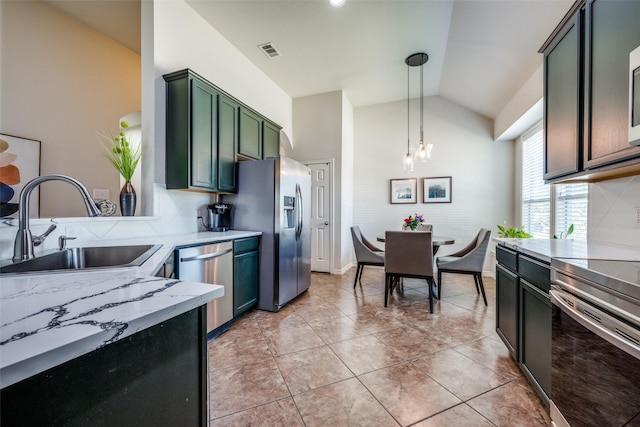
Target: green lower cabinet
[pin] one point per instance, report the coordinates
(535, 333)
(523, 315)
(245, 275)
(155, 377)
(507, 308)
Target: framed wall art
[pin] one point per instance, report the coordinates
(19, 164)
(404, 190)
(436, 190)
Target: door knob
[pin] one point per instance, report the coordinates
(326, 223)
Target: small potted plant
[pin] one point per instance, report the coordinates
(125, 158)
(512, 232)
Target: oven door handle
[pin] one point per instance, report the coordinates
(598, 322)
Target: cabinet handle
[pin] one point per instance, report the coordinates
(205, 257)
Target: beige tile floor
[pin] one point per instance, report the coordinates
(336, 356)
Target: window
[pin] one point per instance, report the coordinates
(536, 199)
(568, 202)
(572, 205)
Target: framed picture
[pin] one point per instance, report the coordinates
(19, 164)
(404, 190)
(436, 190)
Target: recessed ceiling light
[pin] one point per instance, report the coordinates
(336, 3)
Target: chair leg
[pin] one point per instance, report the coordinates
(355, 280)
(430, 296)
(387, 285)
(475, 279)
(439, 284)
(484, 297)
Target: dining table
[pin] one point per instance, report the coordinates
(436, 241)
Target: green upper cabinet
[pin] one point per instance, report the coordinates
(613, 31)
(586, 67)
(259, 138)
(228, 111)
(562, 102)
(201, 135)
(271, 140)
(250, 142)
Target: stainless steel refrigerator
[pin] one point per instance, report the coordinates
(274, 197)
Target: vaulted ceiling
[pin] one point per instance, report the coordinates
(480, 51)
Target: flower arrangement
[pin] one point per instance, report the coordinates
(412, 222)
(120, 153)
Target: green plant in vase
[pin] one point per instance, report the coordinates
(125, 158)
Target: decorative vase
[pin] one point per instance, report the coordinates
(127, 200)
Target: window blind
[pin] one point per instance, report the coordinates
(536, 199)
(572, 207)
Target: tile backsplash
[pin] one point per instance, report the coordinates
(612, 211)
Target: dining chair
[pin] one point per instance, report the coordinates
(366, 253)
(469, 260)
(425, 227)
(408, 255)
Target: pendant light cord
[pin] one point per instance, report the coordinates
(408, 139)
(421, 102)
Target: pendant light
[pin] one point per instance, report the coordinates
(407, 161)
(423, 151)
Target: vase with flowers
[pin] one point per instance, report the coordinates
(412, 222)
(125, 158)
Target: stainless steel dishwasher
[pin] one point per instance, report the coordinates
(213, 264)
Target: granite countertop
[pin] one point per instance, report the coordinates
(49, 318)
(545, 249)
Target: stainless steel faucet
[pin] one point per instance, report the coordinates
(23, 247)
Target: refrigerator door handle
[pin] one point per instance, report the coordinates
(299, 211)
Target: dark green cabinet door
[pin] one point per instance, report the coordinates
(614, 31)
(507, 309)
(535, 347)
(203, 135)
(271, 140)
(562, 102)
(245, 282)
(250, 138)
(227, 143)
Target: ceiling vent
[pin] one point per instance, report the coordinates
(269, 50)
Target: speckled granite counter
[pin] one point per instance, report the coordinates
(48, 319)
(545, 249)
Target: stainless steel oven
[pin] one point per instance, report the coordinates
(595, 351)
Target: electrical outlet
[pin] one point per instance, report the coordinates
(100, 194)
(637, 217)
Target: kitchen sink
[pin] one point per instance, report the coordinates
(85, 258)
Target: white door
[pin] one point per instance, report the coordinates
(321, 216)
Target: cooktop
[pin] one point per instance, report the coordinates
(619, 275)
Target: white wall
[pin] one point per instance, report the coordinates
(60, 83)
(346, 245)
(322, 130)
(481, 169)
(183, 39)
(523, 110)
(612, 211)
